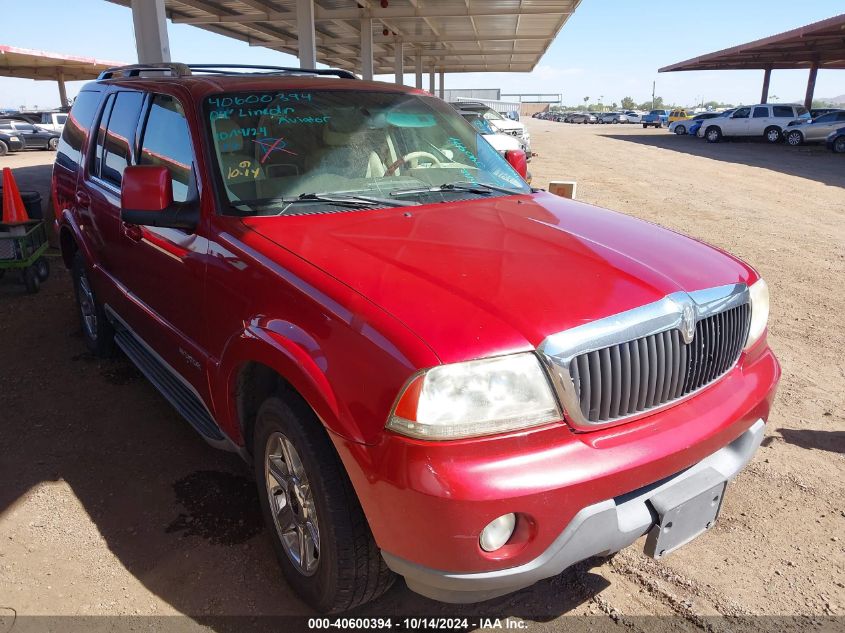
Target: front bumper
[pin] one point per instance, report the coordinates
(427, 502)
(598, 529)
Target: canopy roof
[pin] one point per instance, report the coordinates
(452, 35)
(821, 44)
(32, 64)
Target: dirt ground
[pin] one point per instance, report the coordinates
(111, 505)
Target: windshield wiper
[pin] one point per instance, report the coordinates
(470, 187)
(354, 201)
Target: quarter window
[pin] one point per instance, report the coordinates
(76, 129)
(167, 142)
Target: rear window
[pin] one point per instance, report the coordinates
(76, 129)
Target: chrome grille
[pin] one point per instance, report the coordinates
(622, 366)
(629, 378)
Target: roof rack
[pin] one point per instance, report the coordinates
(174, 69)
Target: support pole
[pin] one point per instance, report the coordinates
(398, 70)
(811, 86)
(442, 85)
(419, 69)
(431, 80)
(767, 76)
(367, 49)
(60, 79)
(305, 33)
(151, 41)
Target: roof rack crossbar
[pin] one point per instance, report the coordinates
(185, 70)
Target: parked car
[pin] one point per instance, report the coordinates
(340, 281)
(765, 120)
(10, 141)
(634, 117)
(836, 141)
(613, 117)
(683, 126)
(581, 117)
(678, 115)
(32, 136)
(53, 121)
(695, 126)
(502, 143)
(815, 130)
(501, 123)
(656, 118)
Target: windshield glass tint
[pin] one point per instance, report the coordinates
(275, 145)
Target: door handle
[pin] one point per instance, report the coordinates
(82, 199)
(133, 232)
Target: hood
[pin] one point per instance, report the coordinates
(507, 124)
(496, 275)
(503, 142)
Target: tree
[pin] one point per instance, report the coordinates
(586, 99)
(628, 103)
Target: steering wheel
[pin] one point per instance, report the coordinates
(413, 159)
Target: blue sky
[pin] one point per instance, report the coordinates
(609, 48)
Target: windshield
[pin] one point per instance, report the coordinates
(479, 123)
(274, 146)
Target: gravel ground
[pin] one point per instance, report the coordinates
(111, 505)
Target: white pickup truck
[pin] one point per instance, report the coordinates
(51, 121)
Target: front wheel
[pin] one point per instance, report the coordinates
(839, 145)
(319, 531)
(53, 144)
(794, 138)
(773, 135)
(713, 135)
(4, 149)
(645, 126)
(680, 130)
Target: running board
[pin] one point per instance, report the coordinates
(183, 399)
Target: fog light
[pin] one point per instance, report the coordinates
(497, 532)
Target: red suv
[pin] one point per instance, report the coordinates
(437, 371)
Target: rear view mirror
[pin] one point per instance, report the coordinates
(146, 198)
(518, 160)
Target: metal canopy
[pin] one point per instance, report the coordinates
(450, 35)
(817, 45)
(32, 64)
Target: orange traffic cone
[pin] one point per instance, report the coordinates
(14, 212)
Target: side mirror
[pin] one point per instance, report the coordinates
(146, 198)
(518, 160)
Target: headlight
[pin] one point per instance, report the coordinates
(14, 138)
(479, 397)
(759, 293)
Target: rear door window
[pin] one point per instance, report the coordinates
(761, 112)
(167, 142)
(783, 111)
(118, 149)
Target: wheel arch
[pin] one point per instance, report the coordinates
(260, 362)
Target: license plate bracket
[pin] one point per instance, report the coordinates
(684, 511)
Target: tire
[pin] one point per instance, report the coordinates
(4, 149)
(773, 135)
(348, 569)
(645, 126)
(713, 134)
(794, 138)
(53, 144)
(680, 130)
(839, 145)
(30, 280)
(42, 268)
(98, 333)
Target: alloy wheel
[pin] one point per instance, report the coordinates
(292, 504)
